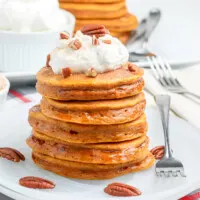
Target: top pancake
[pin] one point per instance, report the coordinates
(114, 84)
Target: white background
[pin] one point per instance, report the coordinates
(177, 37)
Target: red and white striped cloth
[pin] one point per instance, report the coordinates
(23, 94)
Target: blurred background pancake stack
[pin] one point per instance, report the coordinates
(91, 128)
(112, 13)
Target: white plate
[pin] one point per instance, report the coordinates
(20, 77)
(175, 64)
(185, 143)
(12, 194)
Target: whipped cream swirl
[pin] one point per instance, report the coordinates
(31, 15)
(103, 57)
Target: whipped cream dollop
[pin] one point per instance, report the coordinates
(31, 15)
(103, 57)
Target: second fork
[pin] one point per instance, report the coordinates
(165, 76)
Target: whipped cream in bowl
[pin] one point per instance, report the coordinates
(103, 57)
(28, 31)
(31, 15)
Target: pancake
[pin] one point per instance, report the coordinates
(90, 171)
(95, 10)
(118, 34)
(124, 38)
(115, 84)
(80, 133)
(95, 112)
(125, 23)
(90, 1)
(105, 153)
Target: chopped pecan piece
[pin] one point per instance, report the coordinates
(66, 72)
(64, 35)
(107, 41)
(75, 44)
(131, 67)
(91, 72)
(95, 40)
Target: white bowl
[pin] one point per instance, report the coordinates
(27, 52)
(4, 91)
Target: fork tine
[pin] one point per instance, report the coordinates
(182, 173)
(162, 174)
(174, 174)
(165, 71)
(160, 72)
(173, 77)
(170, 173)
(157, 173)
(178, 173)
(155, 70)
(166, 174)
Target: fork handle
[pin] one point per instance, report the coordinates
(163, 102)
(152, 21)
(192, 94)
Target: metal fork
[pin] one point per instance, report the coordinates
(164, 74)
(168, 166)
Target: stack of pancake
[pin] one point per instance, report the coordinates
(112, 13)
(90, 128)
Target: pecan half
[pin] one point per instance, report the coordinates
(121, 190)
(95, 40)
(75, 44)
(107, 41)
(36, 183)
(158, 152)
(94, 29)
(131, 67)
(91, 72)
(66, 72)
(48, 60)
(11, 154)
(64, 35)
